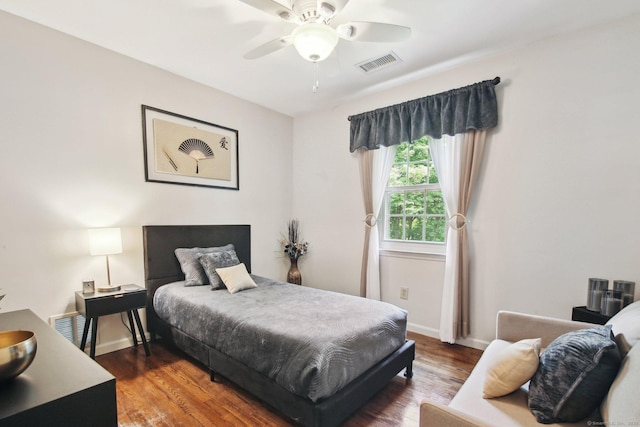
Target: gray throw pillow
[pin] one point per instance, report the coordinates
(215, 260)
(574, 375)
(194, 275)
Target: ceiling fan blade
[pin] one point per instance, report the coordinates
(373, 32)
(272, 8)
(268, 47)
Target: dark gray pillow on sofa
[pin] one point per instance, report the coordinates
(194, 275)
(211, 261)
(574, 375)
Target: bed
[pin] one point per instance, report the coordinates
(325, 393)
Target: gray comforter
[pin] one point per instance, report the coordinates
(311, 342)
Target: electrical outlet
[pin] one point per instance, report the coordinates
(404, 293)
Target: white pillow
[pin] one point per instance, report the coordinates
(620, 406)
(626, 327)
(512, 367)
(236, 278)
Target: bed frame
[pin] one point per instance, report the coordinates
(162, 267)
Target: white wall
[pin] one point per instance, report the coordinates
(72, 159)
(556, 202)
(557, 198)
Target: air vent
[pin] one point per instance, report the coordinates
(70, 326)
(380, 62)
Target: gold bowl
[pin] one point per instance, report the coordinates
(17, 350)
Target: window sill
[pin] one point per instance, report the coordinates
(397, 253)
(414, 247)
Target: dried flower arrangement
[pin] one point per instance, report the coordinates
(293, 245)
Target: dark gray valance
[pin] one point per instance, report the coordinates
(450, 113)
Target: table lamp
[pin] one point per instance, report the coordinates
(105, 241)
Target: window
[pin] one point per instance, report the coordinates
(414, 209)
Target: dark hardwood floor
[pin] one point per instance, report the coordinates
(170, 389)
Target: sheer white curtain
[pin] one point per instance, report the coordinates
(375, 166)
(457, 160)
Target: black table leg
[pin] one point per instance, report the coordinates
(142, 337)
(85, 332)
(94, 334)
(133, 329)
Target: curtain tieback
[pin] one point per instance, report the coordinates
(370, 220)
(453, 221)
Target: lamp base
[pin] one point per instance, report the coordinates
(109, 288)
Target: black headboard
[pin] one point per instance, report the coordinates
(160, 263)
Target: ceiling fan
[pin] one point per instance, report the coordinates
(314, 38)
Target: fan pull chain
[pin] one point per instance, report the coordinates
(316, 82)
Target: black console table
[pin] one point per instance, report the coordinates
(582, 314)
(61, 387)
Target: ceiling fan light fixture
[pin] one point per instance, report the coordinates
(326, 10)
(315, 42)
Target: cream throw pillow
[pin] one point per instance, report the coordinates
(236, 278)
(512, 367)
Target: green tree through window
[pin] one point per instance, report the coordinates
(413, 205)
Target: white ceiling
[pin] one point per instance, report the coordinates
(205, 40)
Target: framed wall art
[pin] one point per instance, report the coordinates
(186, 151)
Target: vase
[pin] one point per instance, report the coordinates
(294, 276)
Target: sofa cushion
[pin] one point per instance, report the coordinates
(620, 406)
(511, 368)
(574, 375)
(507, 410)
(500, 411)
(626, 327)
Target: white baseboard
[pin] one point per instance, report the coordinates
(423, 330)
(473, 343)
(111, 346)
(434, 333)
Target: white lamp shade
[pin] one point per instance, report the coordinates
(314, 42)
(105, 241)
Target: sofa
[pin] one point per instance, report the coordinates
(619, 405)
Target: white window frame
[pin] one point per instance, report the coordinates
(410, 246)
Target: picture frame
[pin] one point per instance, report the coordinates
(186, 151)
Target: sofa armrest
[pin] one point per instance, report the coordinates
(434, 414)
(512, 327)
